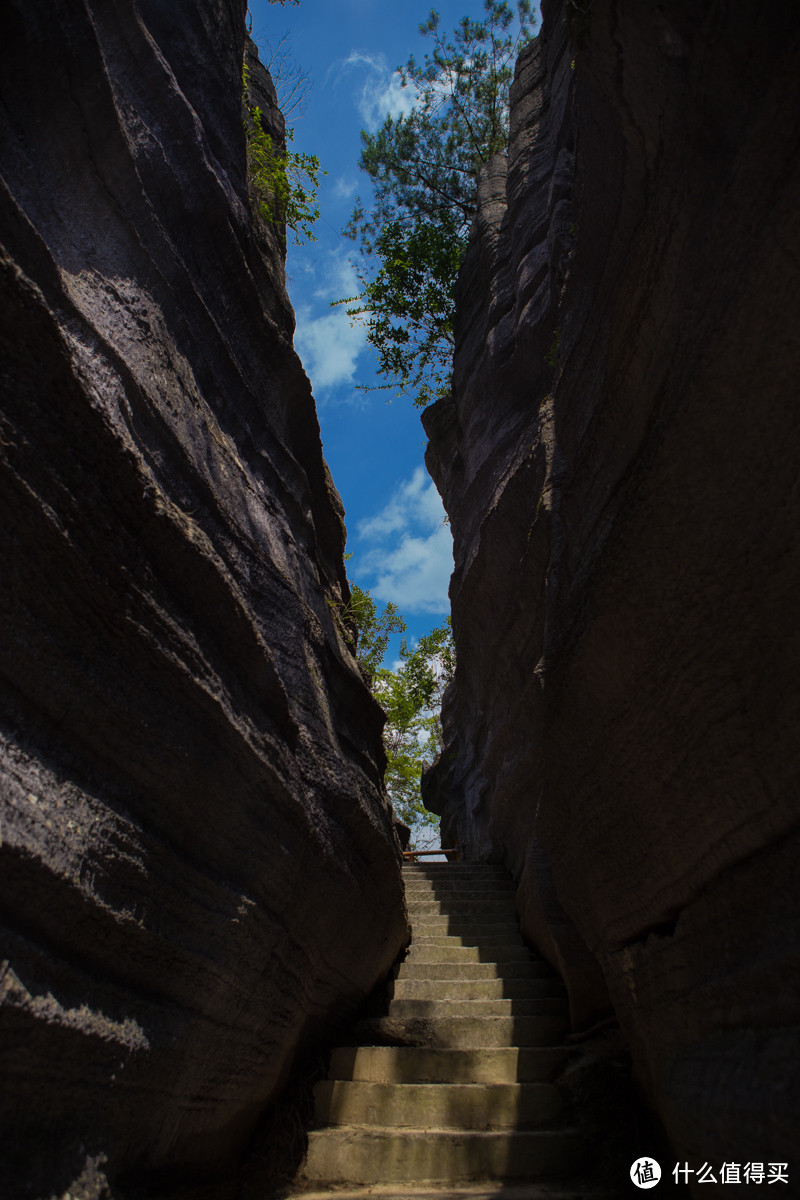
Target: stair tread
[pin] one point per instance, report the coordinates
(443, 1133)
(528, 968)
(450, 923)
(495, 1006)
(359, 1154)
(446, 887)
(498, 954)
(481, 989)
(417, 1064)
(446, 1106)
(486, 1190)
(467, 936)
(377, 1087)
(464, 906)
(438, 926)
(462, 1032)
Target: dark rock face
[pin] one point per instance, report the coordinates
(199, 869)
(619, 463)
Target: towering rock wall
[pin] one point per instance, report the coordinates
(198, 868)
(619, 464)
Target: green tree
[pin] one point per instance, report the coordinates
(410, 696)
(283, 183)
(424, 170)
(372, 629)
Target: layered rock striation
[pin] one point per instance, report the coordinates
(618, 460)
(198, 870)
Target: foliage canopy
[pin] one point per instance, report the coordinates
(373, 629)
(411, 697)
(424, 170)
(283, 183)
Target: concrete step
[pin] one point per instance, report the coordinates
(465, 937)
(500, 952)
(434, 889)
(461, 1033)
(417, 1064)
(457, 922)
(456, 896)
(402, 1009)
(455, 870)
(466, 933)
(457, 939)
(463, 925)
(437, 1105)
(434, 937)
(473, 968)
(464, 883)
(450, 900)
(457, 927)
(461, 883)
(474, 989)
(467, 919)
(470, 906)
(456, 887)
(452, 887)
(350, 1154)
(487, 1190)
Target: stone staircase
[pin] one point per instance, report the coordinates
(449, 1092)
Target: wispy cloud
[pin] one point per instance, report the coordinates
(329, 347)
(338, 277)
(380, 91)
(344, 188)
(329, 344)
(408, 550)
(416, 575)
(415, 501)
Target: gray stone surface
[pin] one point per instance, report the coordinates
(619, 464)
(198, 870)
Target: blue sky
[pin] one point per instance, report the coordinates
(401, 547)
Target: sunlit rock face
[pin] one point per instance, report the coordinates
(198, 868)
(619, 464)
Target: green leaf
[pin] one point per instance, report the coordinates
(410, 696)
(424, 170)
(283, 183)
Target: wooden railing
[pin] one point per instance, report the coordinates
(413, 855)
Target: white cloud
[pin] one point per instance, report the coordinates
(329, 347)
(339, 279)
(381, 97)
(417, 574)
(329, 344)
(344, 188)
(413, 558)
(415, 501)
(381, 91)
